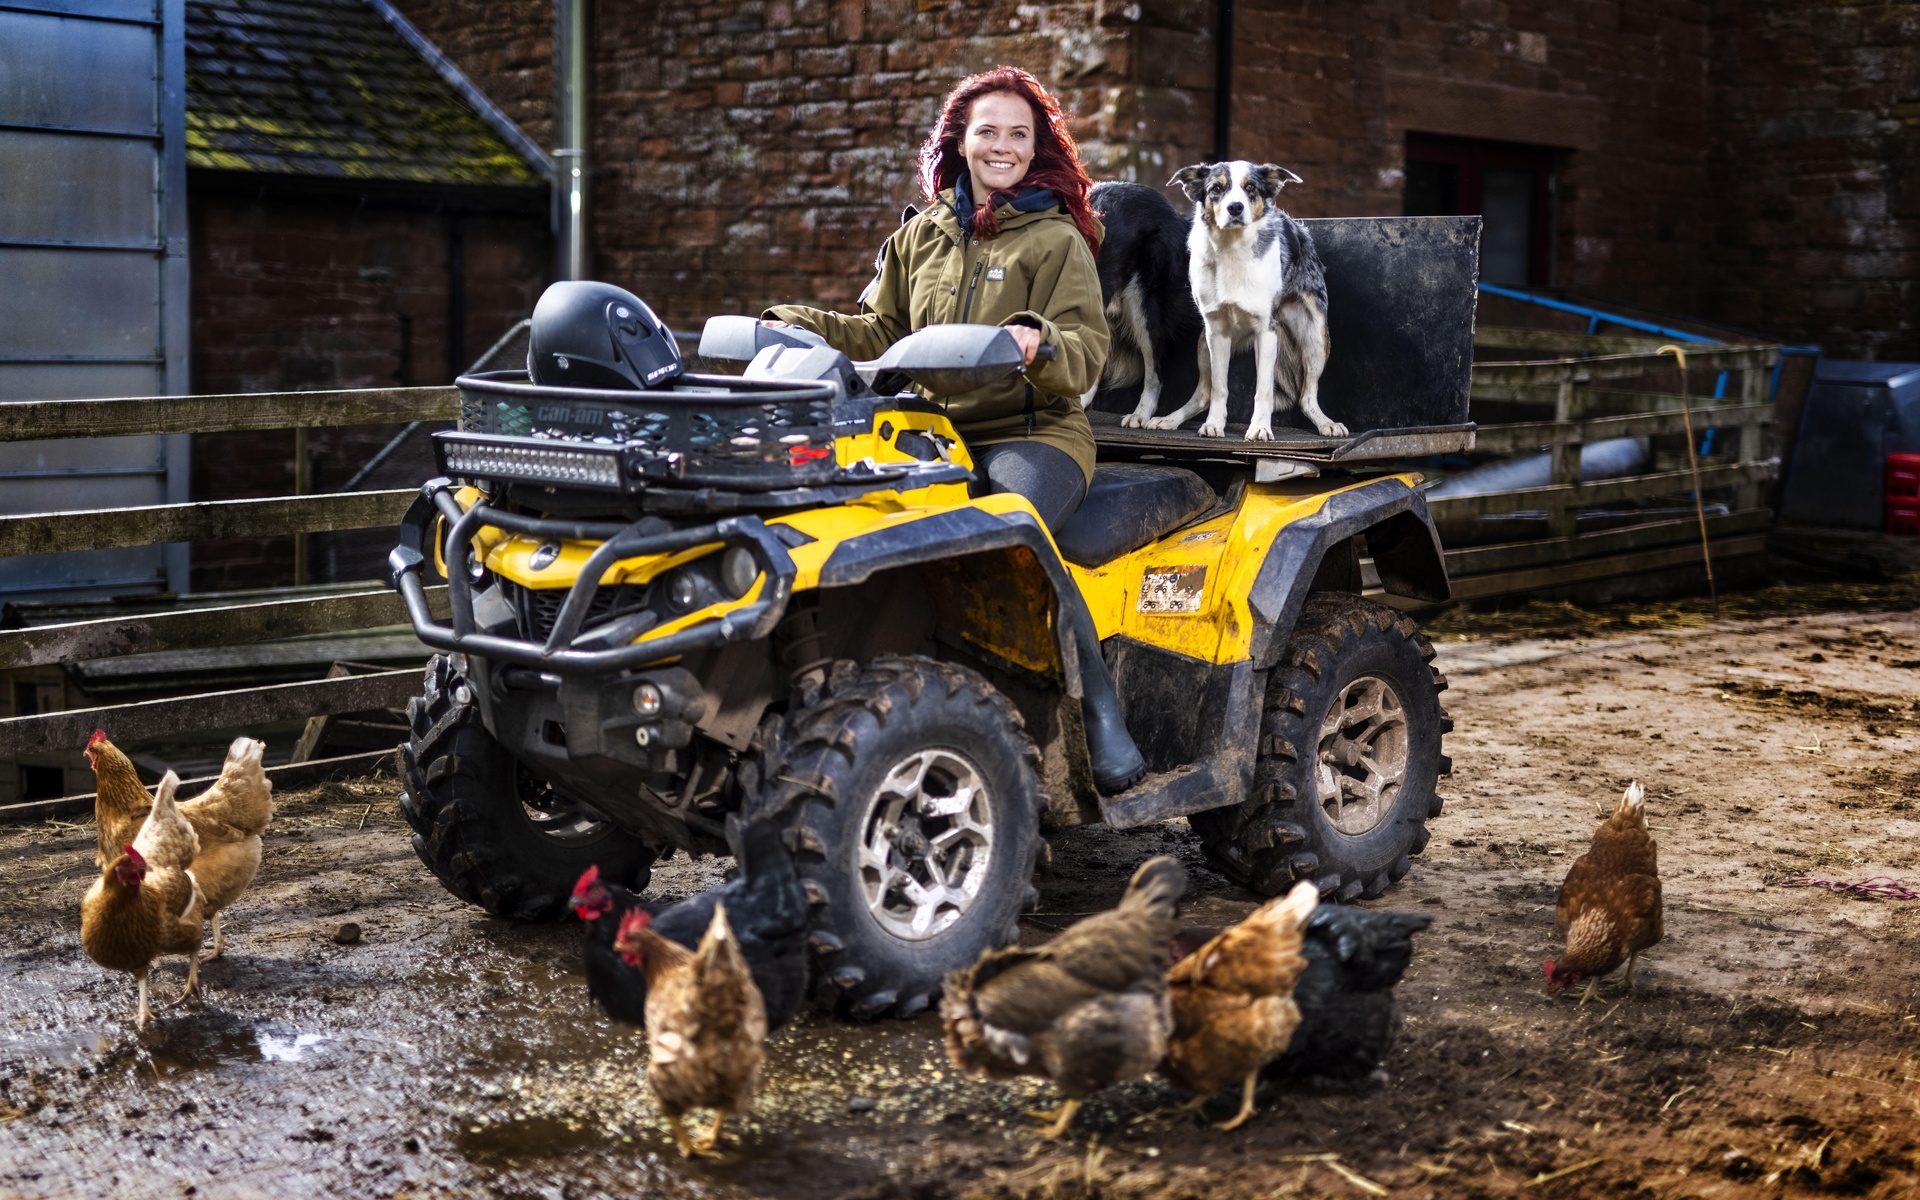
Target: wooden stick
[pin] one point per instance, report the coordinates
(1693, 464)
(1563, 1172)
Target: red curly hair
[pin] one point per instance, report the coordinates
(1056, 162)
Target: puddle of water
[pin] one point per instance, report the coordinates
(203, 1048)
(279, 1049)
(529, 1137)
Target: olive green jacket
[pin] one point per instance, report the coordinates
(1037, 272)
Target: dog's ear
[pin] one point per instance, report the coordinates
(1273, 177)
(1192, 180)
(909, 213)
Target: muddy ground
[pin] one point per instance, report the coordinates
(1772, 1046)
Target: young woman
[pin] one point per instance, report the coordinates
(1008, 238)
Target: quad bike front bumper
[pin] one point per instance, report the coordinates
(559, 654)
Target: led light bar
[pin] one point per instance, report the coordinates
(530, 460)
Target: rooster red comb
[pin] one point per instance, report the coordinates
(139, 859)
(588, 878)
(99, 735)
(635, 920)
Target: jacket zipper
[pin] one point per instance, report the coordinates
(967, 310)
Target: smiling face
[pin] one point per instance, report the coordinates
(998, 146)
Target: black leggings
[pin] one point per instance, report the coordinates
(1050, 480)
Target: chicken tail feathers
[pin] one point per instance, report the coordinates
(1634, 800)
(1156, 887)
(779, 903)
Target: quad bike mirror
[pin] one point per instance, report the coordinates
(950, 359)
(741, 339)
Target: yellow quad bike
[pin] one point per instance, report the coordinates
(773, 596)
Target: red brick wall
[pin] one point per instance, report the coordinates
(1332, 90)
(295, 294)
(1816, 173)
(1744, 160)
(750, 153)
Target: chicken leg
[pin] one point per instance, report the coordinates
(1246, 1103)
(146, 1011)
(680, 1138)
(706, 1144)
(1061, 1118)
(193, 979)
(1631, 955)
(219, 939)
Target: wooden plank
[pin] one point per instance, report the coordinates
(286, 775)
(1586, 570)
(1602, 491)
(153, 525)
(1536, 372)
(29, 420)
(1510, 556)
(194, 628)
(1567, 342)
(126, 724)
(1535, 435)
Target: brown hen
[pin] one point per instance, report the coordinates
(706, 1022)
(145, 903)
(1087, 1010)
(229, 818)
(1233, 1008)
(1610, 905)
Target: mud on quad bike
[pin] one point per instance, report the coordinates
(677, 597)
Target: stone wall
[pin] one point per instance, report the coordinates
(1742, 160)
(1815, 189)
(749, 153)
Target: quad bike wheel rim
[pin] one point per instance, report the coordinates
(1362, 759)
(552, 815)
(926, 843)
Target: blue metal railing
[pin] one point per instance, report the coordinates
(1595, 316)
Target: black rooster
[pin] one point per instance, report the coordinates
(1348, 1016)
(765, 905)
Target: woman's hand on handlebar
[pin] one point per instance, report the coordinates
(1028, 339)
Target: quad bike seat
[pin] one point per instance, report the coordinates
(1127, 506)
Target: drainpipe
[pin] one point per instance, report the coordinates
(570, 82)
(1222, 79)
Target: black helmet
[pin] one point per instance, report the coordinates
(595, 335)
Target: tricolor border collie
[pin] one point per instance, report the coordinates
(1144, 290)
(1257, 281)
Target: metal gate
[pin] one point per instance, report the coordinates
(93, 269)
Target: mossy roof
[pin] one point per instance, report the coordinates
(331, 88)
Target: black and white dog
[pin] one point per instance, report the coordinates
(1144, 289)
(1256, 280)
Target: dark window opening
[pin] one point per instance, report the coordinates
(1510, 186)
(42, 783)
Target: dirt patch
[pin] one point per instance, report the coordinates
(1771, 1047)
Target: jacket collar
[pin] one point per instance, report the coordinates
(1033, 204)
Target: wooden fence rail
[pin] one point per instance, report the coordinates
(102, 528)
(29, 420)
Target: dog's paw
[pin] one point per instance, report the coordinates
(1162, 423)
(1332, 429)
(1209, 429)
(1259, 433)
(1136, 421)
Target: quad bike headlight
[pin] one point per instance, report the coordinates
(647, 700)
(683, 593)
(738, 571)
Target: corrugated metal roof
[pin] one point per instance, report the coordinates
(332, 88)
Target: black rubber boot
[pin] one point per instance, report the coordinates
(1116, 761)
